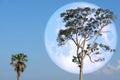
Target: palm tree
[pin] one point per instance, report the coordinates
(18, 61)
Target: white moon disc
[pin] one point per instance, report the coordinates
(62, 56)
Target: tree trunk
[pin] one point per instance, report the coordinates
(18, 75)
(81, 71)
(17, 78)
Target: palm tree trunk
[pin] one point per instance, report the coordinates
(81, 71)
(17, 78)
(18, 75)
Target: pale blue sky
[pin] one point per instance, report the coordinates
(22, 26)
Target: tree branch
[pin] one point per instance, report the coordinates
(80, 40)
(95, 39)
(89, 50)
(76, 43)
(90, 58)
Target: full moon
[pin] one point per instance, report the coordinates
(62, 56)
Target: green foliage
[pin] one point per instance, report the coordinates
(65, 35)
(86, 23)
(106, 48)
(20, 57)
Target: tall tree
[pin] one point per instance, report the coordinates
(84, 26)
(18, 61)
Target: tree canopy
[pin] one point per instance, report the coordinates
(83, 26)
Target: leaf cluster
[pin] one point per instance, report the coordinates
(65, 35)
(20, 57)
(86, 22)
(97, 46)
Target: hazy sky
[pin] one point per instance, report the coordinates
(22, 26)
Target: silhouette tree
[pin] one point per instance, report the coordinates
(18, 61)
(84, 26)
